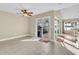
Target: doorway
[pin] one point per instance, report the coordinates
(57, 27)
(43, 28)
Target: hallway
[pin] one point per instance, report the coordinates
(19, 47)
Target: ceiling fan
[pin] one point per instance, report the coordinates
(25, 12)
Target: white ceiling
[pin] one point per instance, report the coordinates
(70, 12)
(37, 8)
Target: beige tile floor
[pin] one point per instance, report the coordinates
(19, 47)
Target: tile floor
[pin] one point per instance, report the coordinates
(19, 47)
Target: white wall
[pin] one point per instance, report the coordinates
(12, 25)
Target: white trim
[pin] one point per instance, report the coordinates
(10, 38)
(31, 39)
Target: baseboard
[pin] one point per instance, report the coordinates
(32, 35)
(10, 38)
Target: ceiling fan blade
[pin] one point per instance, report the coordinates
(29, 15)
(22, 10)
(30, 12)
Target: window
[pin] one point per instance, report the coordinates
(68, 26)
